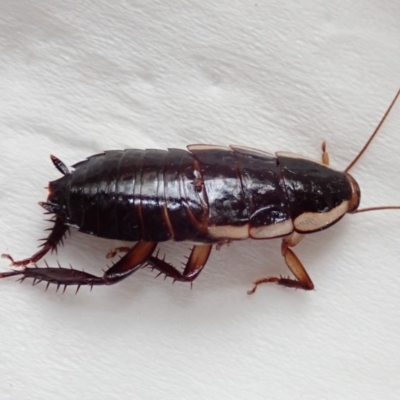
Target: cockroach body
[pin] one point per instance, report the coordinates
(207, 195)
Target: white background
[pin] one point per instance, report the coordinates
(80, 77)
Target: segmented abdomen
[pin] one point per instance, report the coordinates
(207, 194)
(136, 195)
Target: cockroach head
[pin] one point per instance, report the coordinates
(355, 198)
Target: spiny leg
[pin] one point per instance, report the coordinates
(302, 280)
(325, 155)
(195, 263)
(127, 265)
(56, 235)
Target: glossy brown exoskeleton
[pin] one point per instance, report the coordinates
(206, 195)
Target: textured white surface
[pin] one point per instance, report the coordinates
(80, 77)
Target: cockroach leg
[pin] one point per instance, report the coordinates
(325, 155)
(294, 239)
(113, 252)
(196, 262)
(127, 265)
(302, 280)
(57, 233)
(219, 245)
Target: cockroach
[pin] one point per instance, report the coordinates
(207, 195)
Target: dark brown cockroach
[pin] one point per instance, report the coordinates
(207, 195)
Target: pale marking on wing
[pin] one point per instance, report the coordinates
(272, 231)
(229, 231)
(309, 221)
(197, 147)
(251, 150)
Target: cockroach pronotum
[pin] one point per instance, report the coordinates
(207, 195)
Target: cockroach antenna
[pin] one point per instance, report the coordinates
(362, 151)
